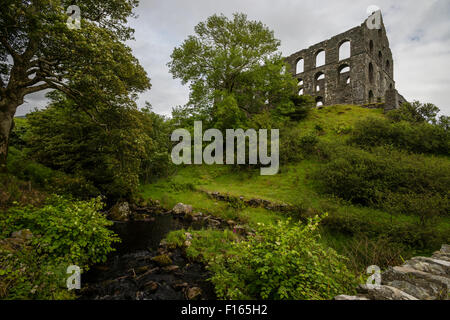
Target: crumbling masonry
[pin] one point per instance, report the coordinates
(354, 67)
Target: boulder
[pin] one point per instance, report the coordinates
(194, 293)
(384, 293)
(120, 212)
(151, 286)
(181, 208)
(24, 234)
(162, 260)
(171, 268)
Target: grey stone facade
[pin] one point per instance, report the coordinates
(365, 76)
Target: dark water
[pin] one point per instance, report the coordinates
(125, 274)
(142, 235)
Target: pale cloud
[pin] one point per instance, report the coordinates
(419, 34)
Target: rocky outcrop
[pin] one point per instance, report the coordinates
(181, 208)
(253, 202)
(120, 212)
(419, 278)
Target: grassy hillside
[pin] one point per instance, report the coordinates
(366, 234)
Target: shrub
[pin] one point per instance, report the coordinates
(366, 177)
(282, 261)
(66, 230)
(418, 137)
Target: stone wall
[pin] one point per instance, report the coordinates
(362, 78)
(420, 278)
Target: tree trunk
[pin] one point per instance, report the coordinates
(6, 126)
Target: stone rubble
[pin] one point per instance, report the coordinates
(419, 278)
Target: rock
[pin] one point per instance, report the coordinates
(24, 234)
(181, 208)
(445, 248)
(162, 260)
(434, 285)
(239, 230)
(187, 243)
(214, 223)
(193, 293)
(151, 286)
(384, 292)
(171, 268)
(434, 266)
(231, 222)
(120, 212)
(188, 236)
(413, 290)
(179, 286)
(345, 297)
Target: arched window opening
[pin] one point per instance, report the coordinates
(371, 73)
(380, 33)
(319, 81)
(348, 80)
(344, 74)
(388, 65)
(319, 102)
(391, 86)
(301, 92)
(371, 46)
(300, 82)
(320, 58)
(300, 67)
(344, 69)
(380, 56)
(344, 50)
(370, 96)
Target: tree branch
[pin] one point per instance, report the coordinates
(8, 47)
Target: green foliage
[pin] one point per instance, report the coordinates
(385, 177)
(206, 244)
(300, 107)
(47, 179)
(234, 72)
(282, 261)
(113, 155)
(415, 112)
(66, 230)
(16, 138)
(419, 137)
(27, 274)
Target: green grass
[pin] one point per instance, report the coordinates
(293, 186)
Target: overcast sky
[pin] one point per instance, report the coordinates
(418, 31)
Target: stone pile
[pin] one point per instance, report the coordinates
(420, 278)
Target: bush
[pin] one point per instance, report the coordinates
(366, 177)
(378, 178)
(417, 138)
(74, 231)
(282, 261)
(65, 233)
(49, 180)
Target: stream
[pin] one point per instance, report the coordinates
(130, 272)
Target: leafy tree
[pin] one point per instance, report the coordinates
(415, 112)
(233, 69)
(113, 156)
(91, 65)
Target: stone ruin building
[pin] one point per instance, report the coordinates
(354, 67)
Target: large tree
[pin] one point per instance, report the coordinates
(90, 65)
(234, 70)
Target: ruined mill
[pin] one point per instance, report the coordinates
(354, 67)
